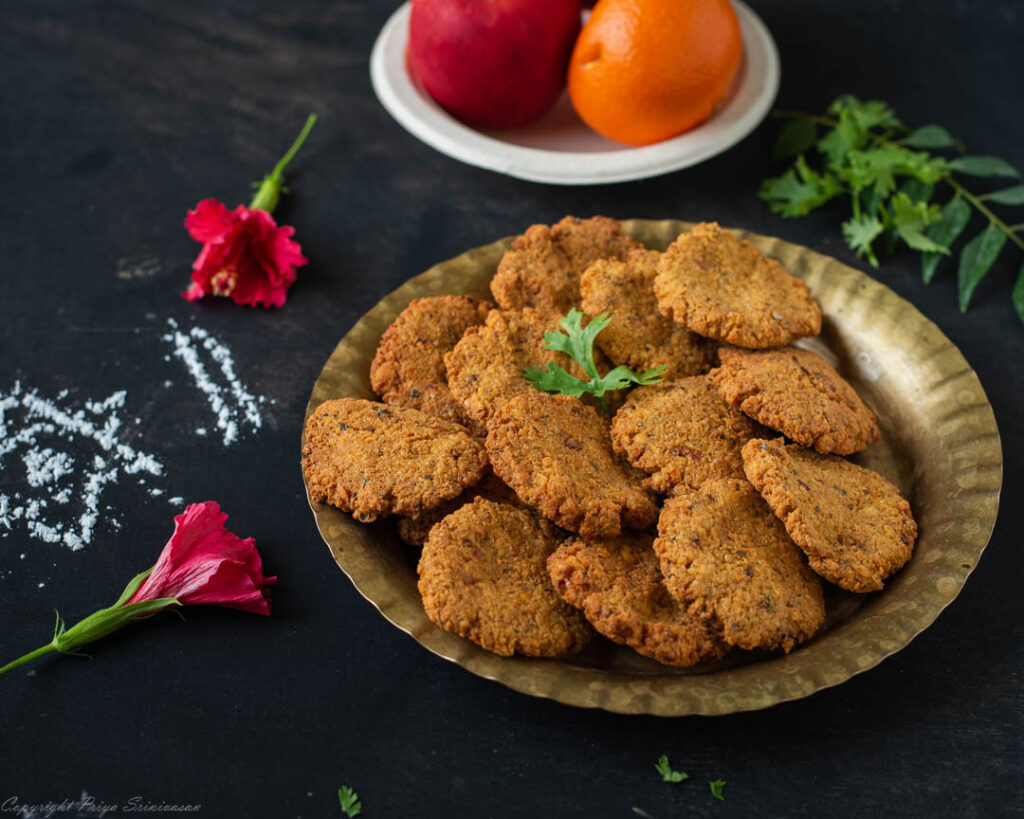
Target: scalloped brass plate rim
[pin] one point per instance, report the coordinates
(947, 436)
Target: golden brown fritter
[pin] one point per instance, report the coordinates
(408, 368)
(372, 459)
(853, 524)
(483, 575)
(714, 284)
(618, 586)
(682, 432)
(485, 370)
(638, 335)
(543, 267)
(554, 451)
(798, 393)
(414, 530)
(726, 556)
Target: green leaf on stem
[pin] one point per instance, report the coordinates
(867, 114)
(1007, 196)
(859, 233)
(795, 137)
(1017, 297)
(911, 219)
(799, 190)
(976, 259)
(984, 166)
(955, 215)
(716, 789)
(578, 343)
(349, 799)
(667, 774)
(930, 136)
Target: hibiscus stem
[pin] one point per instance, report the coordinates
(269, 192)
(39, 652)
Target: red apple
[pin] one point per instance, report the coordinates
(493, 63)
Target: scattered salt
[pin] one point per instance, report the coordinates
(231, 403)
(53, 439)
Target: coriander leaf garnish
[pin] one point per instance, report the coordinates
(349, 800)
(667, 774)
(887, 173)
(716, 789)
(577, 342)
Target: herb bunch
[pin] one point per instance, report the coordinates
(577, 342)
(892, 178)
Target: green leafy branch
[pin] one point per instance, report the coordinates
(578, 343)
(889, 173)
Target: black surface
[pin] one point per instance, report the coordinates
(118, 116)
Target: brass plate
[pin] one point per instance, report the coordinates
(939, 444)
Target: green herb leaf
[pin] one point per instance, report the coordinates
(867, 114)
(790, 195)
(578, 343)
(667, 774)
(917, 190)
(349, 799)
(879, 167)
(554, 378)
(845, 138)
(1017, 297)
(976, 258)
(984, 166)
(859, 233)
(716, 789)
(911, 219)
(930, 136)
(955, 215)
(795, 137)
(1007, 196)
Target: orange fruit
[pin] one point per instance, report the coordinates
(646, 70)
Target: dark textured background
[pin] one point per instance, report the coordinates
(117, 117)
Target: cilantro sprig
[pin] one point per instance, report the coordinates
(716, 789)
(349, 799)
(890, 175)
(667, 774)
(578, 343)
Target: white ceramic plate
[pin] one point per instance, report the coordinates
(559, 148)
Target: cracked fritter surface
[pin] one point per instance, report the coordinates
(721, 287)
(798, 393)
(726, 556)
(543, 267)
(618, 586)
(555, 452)
(485, 370)
(682, 432)
(414, 530)
(853, 524)
(638, 335)
(372, 459)
(408, 368)
(483, 575)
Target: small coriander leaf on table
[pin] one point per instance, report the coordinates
(667, 774)
(349, 800)
(577, 342)
(716, 789)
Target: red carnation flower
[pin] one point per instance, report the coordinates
(202, 563)
(245, 254)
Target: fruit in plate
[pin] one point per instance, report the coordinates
(493, 63)
(646, 70)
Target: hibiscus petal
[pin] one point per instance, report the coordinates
(205, 563)
(211, 221)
